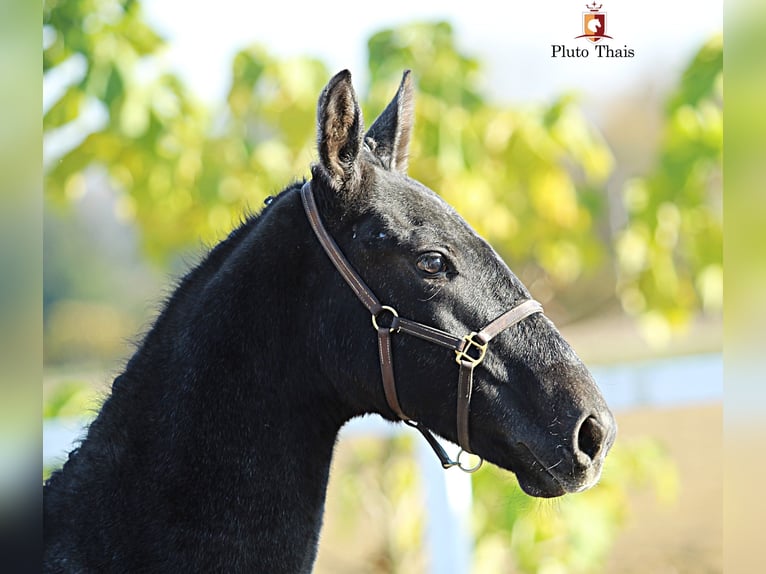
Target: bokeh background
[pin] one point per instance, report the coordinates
(599, 181)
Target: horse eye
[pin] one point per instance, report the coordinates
(432, 263)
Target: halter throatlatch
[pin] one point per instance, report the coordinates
(470, 350)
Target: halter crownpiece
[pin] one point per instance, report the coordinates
(470, 349)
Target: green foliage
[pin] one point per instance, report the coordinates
(68, 399)
(149, 143)
(670, 252)
(179, 179)
(574, 534)
(531, 180)
(375, 483)
(180, 175)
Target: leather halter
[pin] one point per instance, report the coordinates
(470, 349)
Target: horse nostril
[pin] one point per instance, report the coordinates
(590, 437)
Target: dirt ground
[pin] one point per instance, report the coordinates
(685, 537)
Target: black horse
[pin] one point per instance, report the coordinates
(213, 451)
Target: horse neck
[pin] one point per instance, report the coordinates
(221, 421)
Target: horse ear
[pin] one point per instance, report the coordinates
(339, 132)
(392, 130)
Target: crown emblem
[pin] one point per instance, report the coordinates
(593, 7)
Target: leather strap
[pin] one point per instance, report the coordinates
(431, 334)
(470, 349)
(464, 391)
(509, 318)
(387, 372)
(348, 273)
(465, 379)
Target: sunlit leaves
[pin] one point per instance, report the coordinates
(575, 533)
(181, 173)
(531, 179)
(669, 253)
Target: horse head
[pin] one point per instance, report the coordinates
(534, 408)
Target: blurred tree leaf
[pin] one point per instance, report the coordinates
(530, 179)
(669, 254)
(182, 175)
(71, 398)
(518, 534)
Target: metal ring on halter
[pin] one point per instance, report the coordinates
(394, 322)
(468, 469)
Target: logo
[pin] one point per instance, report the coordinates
(594, 31)
(593, 23)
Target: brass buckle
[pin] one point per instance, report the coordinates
(472, 345)
(394, 322)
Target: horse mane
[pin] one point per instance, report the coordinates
(211, 261)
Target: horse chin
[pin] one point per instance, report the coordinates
(538, 480)
(535, 479)
(540, 484)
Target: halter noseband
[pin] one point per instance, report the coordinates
(469, 349)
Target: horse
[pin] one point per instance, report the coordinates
(213, 450)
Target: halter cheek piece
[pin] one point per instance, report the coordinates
(470, 350)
